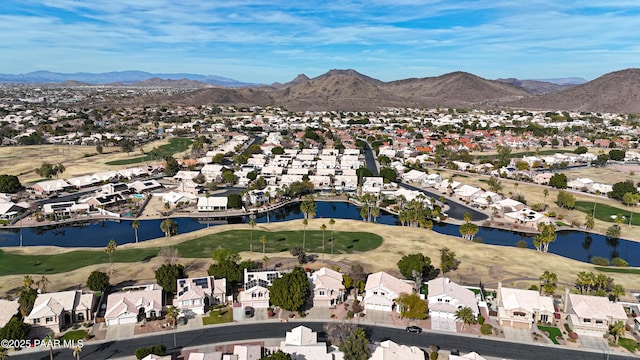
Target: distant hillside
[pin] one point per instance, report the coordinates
(181, 84)
(537, 87)
(123, 77)
(617, 92)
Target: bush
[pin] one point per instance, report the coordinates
(433, 355)
(597, 260)
(616, 261)
(521, 244)
(573, 335)
(349, 314)
(159, 350)
(560, 216)
(486, 329)
(480, 319)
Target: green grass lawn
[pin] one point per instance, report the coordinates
(213, 318)
(552, 331)
(74, 335)
(629, 344)
(279, 241)
(618, 270)
(202, 247)
(175, 145)
(604, 212)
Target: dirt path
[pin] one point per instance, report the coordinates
(478, 262)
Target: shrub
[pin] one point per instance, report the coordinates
(433, 355)
(480, 319)
(552, 214)
(616, 261)
(521, 244)
(560, 216)
(143, 352)
(349, 314)
(566, 327)
(573, 335)
(539, 207)
(486, 329)
(597, 260)
(478, 240)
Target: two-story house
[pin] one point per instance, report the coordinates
(197, 294)
(522, 308)
(54, 312)
(256, 287)
(445, 298)
(327, 288)
(591, 315)
(382, 289)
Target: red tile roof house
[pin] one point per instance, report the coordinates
(55, 312)
(382, 289)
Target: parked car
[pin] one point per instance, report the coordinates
(455, 352)
(414, 329)
(248, 312)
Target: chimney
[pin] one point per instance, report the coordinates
(498, 294)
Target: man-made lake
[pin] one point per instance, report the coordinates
(571, 244)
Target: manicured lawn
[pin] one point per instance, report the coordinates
(629, 344)
(605, 212)
(175, 145)
(279, 241)
(202, 247)
(552, 332)
(213, 318)
(618, 270)
(74, 335)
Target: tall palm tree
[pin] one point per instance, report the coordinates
(263, 241)
(545, 192)
(548, 282)
(617, 330)
(331, 223)
(617, 291)
(27, 281)
(172, 313)
(375, 212)
(252, 223)
(110, 250)
(323, 227)
(135, 224)
(42, 283)
(165, 226)
(48, 341)
(466, 316)
(304, 234)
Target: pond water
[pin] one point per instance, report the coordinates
(571, 244)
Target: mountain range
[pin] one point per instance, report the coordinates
(349, 90)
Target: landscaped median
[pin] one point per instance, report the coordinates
(203, 247)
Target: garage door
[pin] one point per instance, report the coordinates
(443, 323)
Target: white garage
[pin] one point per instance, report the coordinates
(126, 318)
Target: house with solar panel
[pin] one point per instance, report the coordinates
(256, 287)
(197, 294)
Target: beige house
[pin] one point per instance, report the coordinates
(382, 290)
(446, 297)
(302, 344)
(133, 304)
(327, 288)
(256, 287)
(591, 315)
(8, 309)
(522, 308)
(197, 294)
(54, 312)
(389, 350)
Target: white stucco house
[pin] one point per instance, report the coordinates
(382, 289)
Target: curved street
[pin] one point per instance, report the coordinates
(269, 330)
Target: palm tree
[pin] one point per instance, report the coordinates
(617, 291)
(304, 234)
(42, 283)
(3, 353)
(27, 281)
(252, 223)
(323, 227)
(172, 313)
(617, 330)
(545, 192)
(308, 207)
(165, 226)
(76, 351)
(465, 315)
(135, 224)
(375, 211)
(548, 282)
(110, 250)
(589, 222)
(331, 223)
(48, 341)
(263, 241)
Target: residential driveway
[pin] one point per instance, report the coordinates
(120, 332)
(593, 343)
(443, 324)
(517, 335)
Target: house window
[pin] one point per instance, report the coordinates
(196, 302)
(599, 322)
(272, 276)
(375, 293)
(544, 318)
(48, 319)
(447, 300)
(439, 300)
(36, 321)
(519, 313)
(321, 292)
(586, 321)
(184, 302)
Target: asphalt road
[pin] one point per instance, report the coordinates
(456, 210)
(269, 330)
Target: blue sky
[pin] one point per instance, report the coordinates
(272, 40)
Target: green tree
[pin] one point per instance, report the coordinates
(172, 167)
(411, 306)
(494, 184)
(168, 275)
(465, 315)
(388, 174)
(356, 346)
(234, 201)
(46, 170)
(263, 241)
(468, 230)
(15, 329)
(581, 150)
(110, 250)
(10, 184)
(548, 283)
(589, 222)
(617, 291)
(566, 200)
(558, 180)
(621, 188)
(447, 260)
(27, 297)
(547, 235)
(278, 355)
(291, 291)
(415, 262)
(229, 177)
(278, 150)
(617, 330)
(98, 281)
(617, 155)
(42, 284)
(218, 158)
(135, 224)
(613, 232)
(127, 146)
(308, 207)
(630, 199)
(172, 314)
(169, 227)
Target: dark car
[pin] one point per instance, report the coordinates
(414, 329)
(248, 312)
(455, 352)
